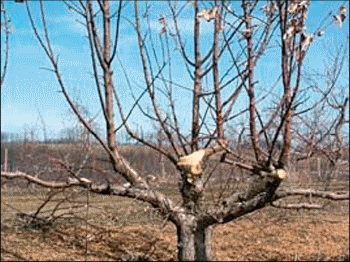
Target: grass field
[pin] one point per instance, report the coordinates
(124, 229)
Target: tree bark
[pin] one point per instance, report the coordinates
(197, 80)
(192, 241)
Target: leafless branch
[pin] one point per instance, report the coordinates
(251, 93)
(218, 105)
(314, 193)
(297, 206)
(197, 82)
(150, 85)
(6, 27)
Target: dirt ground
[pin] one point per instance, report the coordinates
(266, 235)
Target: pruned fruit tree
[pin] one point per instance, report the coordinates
(202, 77)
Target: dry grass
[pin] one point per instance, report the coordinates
(274, 235)
(268, 234)
(136, 233)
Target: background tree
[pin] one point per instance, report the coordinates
(6, 30)
(224, 91)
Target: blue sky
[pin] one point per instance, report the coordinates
(29, 88)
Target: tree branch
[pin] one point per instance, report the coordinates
(218, 104)
(150, 84)
(6, 27)
(297, 206)
(314, 193)
(198, 79)
(155, 198)
(251, 93)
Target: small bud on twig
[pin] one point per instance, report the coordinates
(341, 17)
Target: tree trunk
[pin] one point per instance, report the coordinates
(192, 241)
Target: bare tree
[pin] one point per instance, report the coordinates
(240, 40)
(7, 30)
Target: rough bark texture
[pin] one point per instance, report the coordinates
(216, 51)
(192, 240)
(251, 92)
(197, 81)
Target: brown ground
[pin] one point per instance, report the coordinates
(268, 234)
